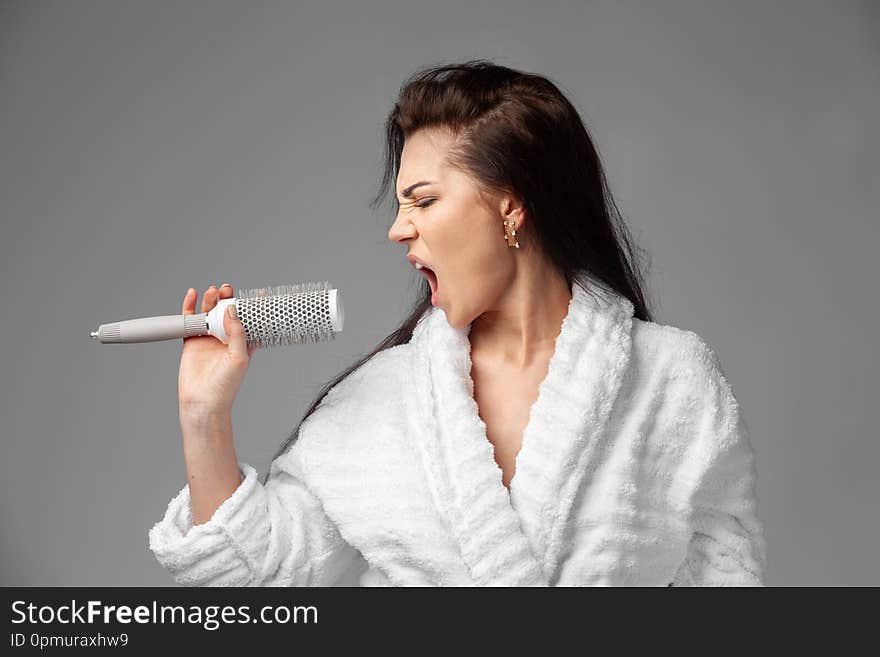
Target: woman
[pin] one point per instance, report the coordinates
(528, 424)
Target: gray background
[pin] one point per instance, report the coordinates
(150, 146)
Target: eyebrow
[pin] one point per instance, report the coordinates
(408, 192)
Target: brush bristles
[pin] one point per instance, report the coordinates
(286, 314)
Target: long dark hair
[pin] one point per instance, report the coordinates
(516, 132)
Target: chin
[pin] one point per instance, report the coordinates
(450, 318)
(456, 320)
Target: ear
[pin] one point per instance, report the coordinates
(511, 208)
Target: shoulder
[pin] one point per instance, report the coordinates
(664, 341)
(374, 379)
(370, 394)
(679, 350)
(684, 363)
(702, 421)
(357, 428)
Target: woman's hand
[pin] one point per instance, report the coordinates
(211, 372)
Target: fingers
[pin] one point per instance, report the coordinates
(189, 302)
(212, 294)
(235, 332)
(226, 291)
(209, 298)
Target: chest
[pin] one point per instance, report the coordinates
(504, 398)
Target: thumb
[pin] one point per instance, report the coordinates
(235, 331)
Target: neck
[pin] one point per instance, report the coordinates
(526, 320)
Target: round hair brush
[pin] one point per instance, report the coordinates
(284, 314)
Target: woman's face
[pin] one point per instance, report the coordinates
(456, 232)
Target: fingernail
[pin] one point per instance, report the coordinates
(231, 311)
(226, 285)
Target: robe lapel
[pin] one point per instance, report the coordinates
(515, 539)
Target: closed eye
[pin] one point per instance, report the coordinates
(426, 203)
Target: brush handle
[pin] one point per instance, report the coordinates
(166, 327)
(152, 329)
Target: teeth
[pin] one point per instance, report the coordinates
(419, 265)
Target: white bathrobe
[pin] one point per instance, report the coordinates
(636, 469)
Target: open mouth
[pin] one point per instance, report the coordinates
(431, 277)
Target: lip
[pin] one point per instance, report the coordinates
(413, 259)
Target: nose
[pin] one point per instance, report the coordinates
(401, 229)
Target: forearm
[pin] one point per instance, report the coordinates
(211, 462)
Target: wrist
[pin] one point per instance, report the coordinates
(195, 418)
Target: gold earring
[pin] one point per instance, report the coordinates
(510, 233)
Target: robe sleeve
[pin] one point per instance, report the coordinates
(727, 545)
(272, 535)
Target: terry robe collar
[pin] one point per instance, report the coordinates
(514, 538)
